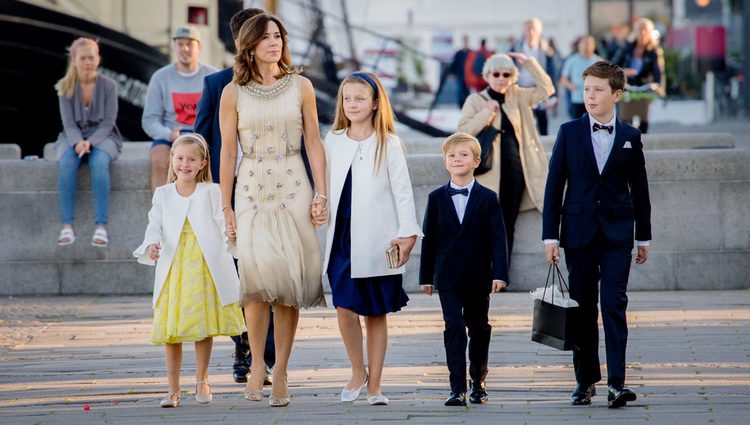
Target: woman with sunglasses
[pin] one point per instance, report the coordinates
(519, 164)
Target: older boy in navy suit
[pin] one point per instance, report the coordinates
(207, 125)
(601, 160)
(464, 255)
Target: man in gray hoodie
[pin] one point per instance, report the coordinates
(172, 98)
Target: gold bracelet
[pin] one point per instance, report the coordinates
(319, 195)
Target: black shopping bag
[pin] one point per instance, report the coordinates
(554, 325)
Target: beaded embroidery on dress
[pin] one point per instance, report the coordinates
(279, 256)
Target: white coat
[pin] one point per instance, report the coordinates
(165, 221)
(382, 202)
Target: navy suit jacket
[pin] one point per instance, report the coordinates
(207, 115)
(613, 201)
(463, 256)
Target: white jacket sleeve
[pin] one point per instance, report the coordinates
(153, 230)
(398, 175)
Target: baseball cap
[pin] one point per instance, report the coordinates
(187, 32)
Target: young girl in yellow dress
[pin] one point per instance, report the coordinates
(196, 288)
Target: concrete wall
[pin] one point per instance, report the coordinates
(700, 219)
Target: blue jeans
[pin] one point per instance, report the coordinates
(99, 165)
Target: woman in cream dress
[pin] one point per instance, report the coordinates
(270, 107)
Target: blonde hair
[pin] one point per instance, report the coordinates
(460, 138)
(195, 139)
(66, 86)
(251, 33)
(382, 117)
(638, 26)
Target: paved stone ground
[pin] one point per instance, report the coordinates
(688, 360)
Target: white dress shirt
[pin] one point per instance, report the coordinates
(460, 201)
(602, 141)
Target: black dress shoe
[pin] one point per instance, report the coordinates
(582, 395)
(240, 367)
(456, 399)
(619, 396)
(478, 393)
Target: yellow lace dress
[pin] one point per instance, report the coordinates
(189, 309)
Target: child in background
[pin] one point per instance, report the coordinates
(196, 288)
(372, 210)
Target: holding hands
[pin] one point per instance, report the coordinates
(230, 223)
(319, 210)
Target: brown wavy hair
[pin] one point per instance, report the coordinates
(382, 117)
(195, 139)
(251, 33)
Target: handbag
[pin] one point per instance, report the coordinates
(391, 256)
(486, 138)
(556, 323)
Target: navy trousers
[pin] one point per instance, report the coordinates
(600, 261)
(462, 310)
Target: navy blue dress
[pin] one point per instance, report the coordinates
(369, 296)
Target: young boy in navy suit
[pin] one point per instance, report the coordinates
(601, 160)
(464, 256)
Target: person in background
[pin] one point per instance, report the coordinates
(457, 69)
(473, 67)
(532, 45)
(572, 73)
(88, 109)
(172, 98)
(643, 62)
(519, 164)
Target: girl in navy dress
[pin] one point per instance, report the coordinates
(371, 209)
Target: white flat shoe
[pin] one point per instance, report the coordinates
(172, 400)
(351, 395)
(377, 400)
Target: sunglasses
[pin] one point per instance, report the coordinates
(504, 74)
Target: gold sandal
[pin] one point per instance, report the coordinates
(203, 398)
(252, 395)
(279, 401)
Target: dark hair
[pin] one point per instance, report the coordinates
(608, 71)
(240, 17)
(251, 33)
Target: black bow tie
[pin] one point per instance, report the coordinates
(609, 128)
(452, 191)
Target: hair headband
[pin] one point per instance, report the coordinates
(369, 80)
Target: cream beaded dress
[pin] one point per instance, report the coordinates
(279, 256)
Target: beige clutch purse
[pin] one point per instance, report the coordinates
(391, 257)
